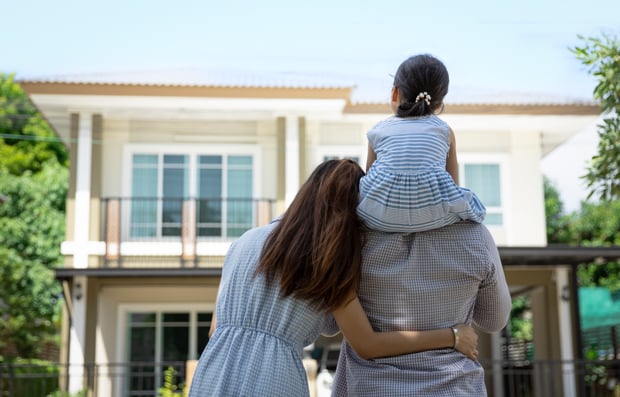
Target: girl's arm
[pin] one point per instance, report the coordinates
(370, 157)
(356, 328)
(452, 164)
(213, 325)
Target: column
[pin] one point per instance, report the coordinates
(291, 159)
(563, 296)
(77, 333)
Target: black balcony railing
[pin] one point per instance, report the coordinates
(540, 378)
(185, 220)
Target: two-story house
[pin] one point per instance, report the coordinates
(166, 172)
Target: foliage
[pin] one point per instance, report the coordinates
(33, 181)
(594, 225)
(28, 377)
(520, 324)
(34, 142)
(170, 387)
(602, 58)
(554, 210)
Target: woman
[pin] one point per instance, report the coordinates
(280, 284)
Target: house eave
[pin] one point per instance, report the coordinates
(552, 255)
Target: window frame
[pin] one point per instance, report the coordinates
(125, 309)
(192, 151)
(491, 159)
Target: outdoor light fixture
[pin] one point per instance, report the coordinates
(78, 291)
(566, 293)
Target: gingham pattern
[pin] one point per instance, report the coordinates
(424, 281)
(257, 346)
(408, 189)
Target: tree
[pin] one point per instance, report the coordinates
(33, 180)
(594, 225)
(554, 210)
(602, 58)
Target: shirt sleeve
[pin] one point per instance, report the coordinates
(493, 303)
(331, 327)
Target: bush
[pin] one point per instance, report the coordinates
(28, 377)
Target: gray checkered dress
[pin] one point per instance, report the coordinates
(256, 349)
(424, 281)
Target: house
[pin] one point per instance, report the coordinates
(167, 170)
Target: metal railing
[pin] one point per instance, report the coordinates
(540, 378)
(189, 221)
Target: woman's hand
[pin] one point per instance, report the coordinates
(467, 341)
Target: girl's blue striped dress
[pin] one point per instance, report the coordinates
(407, 188)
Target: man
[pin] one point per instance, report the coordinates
(423, 281)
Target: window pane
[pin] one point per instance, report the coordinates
(210, 160)
(174, 188)
(240, 160)
(144, 185)
(176, 317)
(209, 216)
(141, 338)
(493, 219)
(239, 212)
(484, 180)
(175, 342)
(204, 323)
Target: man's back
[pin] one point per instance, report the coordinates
(423, 281)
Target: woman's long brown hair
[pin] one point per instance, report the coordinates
(316, 248)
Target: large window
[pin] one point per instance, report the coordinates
(222, 186)
(485, 179)
(157, 340)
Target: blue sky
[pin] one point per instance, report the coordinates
(519, 46)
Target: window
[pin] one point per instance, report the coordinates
(232, 174)
(222, 184)
(355, 153)
(485, 179)
(157, 340)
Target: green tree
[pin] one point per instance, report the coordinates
(602, 58)
(593, 225)
(554, 210)
(33, 181)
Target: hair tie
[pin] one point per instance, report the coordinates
(425, 96)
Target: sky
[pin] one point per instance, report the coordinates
(486, 45)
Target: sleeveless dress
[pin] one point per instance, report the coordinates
(256, 349)
(407, 188)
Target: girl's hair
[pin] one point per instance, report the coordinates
(316, 248)
(420, 74)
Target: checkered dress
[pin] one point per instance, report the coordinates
(407, 189)
(256, 349)
(424, 281)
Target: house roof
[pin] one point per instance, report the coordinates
(362, 90)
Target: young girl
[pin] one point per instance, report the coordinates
(412, 180)
(280, 283)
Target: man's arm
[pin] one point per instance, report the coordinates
(493, 303)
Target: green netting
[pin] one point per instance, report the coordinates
(598, 308)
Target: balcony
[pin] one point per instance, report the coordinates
(158, 232)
